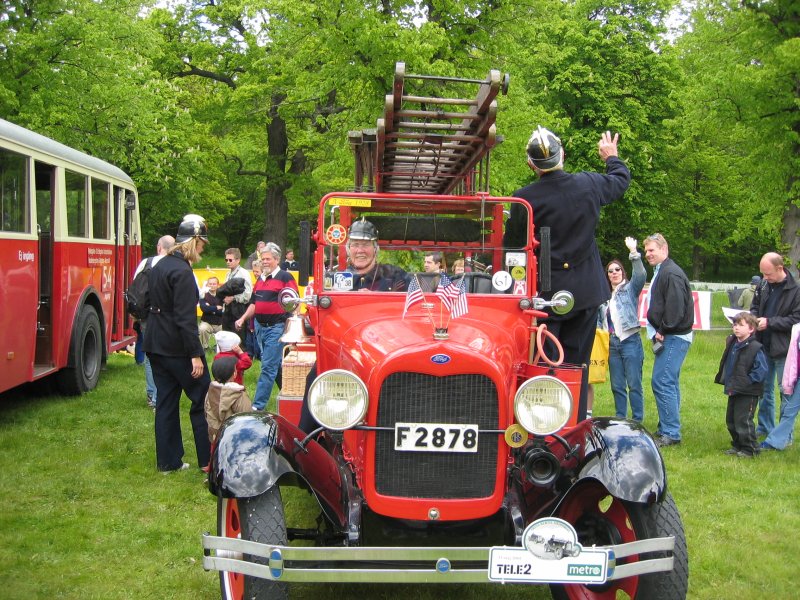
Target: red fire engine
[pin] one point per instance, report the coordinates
(448, 443)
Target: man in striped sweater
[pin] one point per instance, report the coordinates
(270, 319)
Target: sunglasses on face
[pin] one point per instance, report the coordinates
(614, 270)
(229, 260)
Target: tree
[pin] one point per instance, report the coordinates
(83, 73)
(743, 68)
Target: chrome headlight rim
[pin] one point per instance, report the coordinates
(524, 419)
(361, 388)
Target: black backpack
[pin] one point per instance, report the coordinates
(137, 296)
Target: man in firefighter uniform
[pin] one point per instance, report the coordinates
(569, 204)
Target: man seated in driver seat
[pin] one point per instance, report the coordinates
(362, 261)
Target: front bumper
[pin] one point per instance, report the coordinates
(400, 564)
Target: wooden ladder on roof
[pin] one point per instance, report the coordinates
(428, 144)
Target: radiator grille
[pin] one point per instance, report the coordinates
(420, 398)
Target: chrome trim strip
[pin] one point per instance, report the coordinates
(220, 552)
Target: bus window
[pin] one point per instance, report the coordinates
(100, 199)
(14, 213)
(76, 204)
(45, 184)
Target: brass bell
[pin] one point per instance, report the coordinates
(294, 331)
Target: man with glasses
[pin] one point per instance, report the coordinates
(235, 306)
(670, 316)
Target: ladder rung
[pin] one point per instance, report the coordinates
(433, 100)
(435, 114)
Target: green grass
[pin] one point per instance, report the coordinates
(85, 514)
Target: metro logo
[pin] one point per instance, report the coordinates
(584, 570)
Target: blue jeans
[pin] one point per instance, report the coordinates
(268, 337)
(139, 354)
(666, 385)
(625, 360)
(781, 435)
(766, 406)
(149, 383)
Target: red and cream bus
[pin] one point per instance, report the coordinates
(69, 242)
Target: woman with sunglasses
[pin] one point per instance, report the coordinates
(626, 354)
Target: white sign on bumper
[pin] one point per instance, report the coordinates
(519, 565)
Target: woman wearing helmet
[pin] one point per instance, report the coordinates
(174, 349)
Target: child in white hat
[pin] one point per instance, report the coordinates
(228, 346)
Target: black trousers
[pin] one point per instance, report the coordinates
(575, 331)
(173, 375)
(739, 418)
(307, 422)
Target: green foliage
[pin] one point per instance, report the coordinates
(239, 110)
(738, 146)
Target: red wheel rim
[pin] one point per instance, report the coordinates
(609, 518)
(233, 582)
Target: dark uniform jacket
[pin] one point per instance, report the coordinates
(569, 204)
(735, 374)
(787, 313)
(382, 278)
(671, 309)
(172, 324)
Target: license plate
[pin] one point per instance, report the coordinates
(435, 437)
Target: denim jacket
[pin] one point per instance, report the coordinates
(627, 293)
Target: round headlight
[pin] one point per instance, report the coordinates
(337, 399)
(543, 405)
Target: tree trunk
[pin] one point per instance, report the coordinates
(791, 216)
(276, 206)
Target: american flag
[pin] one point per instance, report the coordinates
(458, 295)
(444, 290)
(414, 294)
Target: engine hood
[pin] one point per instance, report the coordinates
(488, 340)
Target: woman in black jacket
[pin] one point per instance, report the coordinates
(174, 348)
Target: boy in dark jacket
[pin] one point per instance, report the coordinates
(742, 371)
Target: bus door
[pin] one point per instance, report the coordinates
(124, 205)
(45, 201)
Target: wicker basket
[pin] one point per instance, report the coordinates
(296, 365)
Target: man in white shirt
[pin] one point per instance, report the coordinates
(235, 306)
(162, 247)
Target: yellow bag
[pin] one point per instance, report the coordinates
(599, 361)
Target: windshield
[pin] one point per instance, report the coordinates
(384, 242)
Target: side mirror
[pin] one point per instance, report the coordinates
(563, 302)
(289, 300)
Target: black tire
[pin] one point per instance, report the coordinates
(601, 519)
(259, 519)
(85, 355)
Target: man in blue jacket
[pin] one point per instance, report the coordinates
(569, 204)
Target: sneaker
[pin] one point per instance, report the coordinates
(766, 446)
(745, 455)
(731, 451)
(183, 467)
(663, 441)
